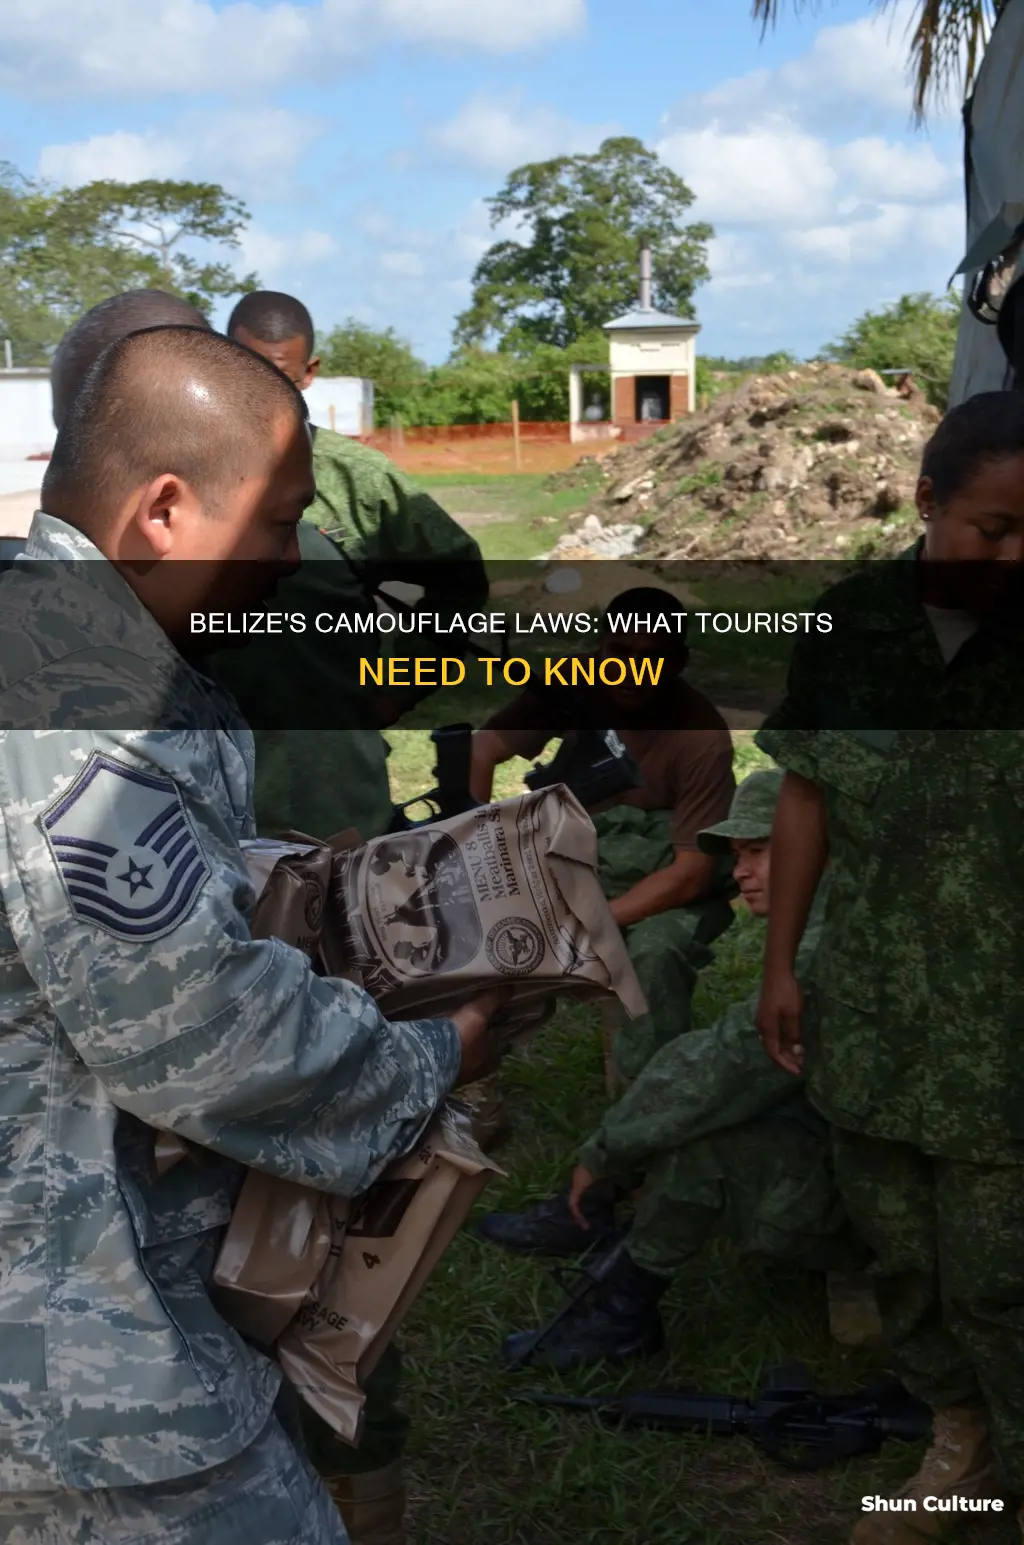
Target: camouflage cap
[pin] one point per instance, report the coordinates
(750, 814)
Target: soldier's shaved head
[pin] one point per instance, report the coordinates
(180, 444)
(105, 324)
(166, 400)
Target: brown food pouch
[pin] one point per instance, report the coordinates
(274, 1248)
(505, 894)
(397, 1233)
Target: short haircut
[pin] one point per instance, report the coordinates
(272, 317)
(647, 601)
(172, 400)
(103, 325)
(985, 428)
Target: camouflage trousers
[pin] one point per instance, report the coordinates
(268, 1495)
(949, 1241)
(766, 1184)
(667, 952)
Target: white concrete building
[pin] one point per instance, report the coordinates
(344, 403)
(652, 360)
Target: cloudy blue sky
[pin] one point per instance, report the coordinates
(366, 135)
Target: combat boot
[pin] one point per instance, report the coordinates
(959, 1463)
(372, 1505)
(549, 1228)
(616, 1321)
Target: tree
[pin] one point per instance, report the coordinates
(583, 217)
(381, 357)
(158, 220)
(916, 332)
(947, 43)
(62, 250)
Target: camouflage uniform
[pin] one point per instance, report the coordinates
(668, 949)
(377, 514)
(135, 999)
(323, 780)
(722, 1136)
(916, 998)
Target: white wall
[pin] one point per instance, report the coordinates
(26, 419)
(351, 398)
(651, 352)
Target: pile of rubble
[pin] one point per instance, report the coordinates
(593, 540)
(815, 462)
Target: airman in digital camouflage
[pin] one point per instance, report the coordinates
(904, 756)
(134, 998)
(367, 525)
(714, 1135)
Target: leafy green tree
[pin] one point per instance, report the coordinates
(916, 332)
(582, 219)
(62, 250)
(159, 220)
(948, 41)
(354, 349)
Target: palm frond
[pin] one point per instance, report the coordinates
(946, 42)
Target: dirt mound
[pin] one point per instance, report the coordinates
(815, 462)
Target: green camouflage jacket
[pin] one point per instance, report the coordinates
(915, 1021)
(318, 781)
(322, 780)
(376, 513)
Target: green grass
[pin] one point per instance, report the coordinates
(487, 1470)
(709, 477)
(524, 516)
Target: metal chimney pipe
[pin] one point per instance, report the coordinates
(645, 278)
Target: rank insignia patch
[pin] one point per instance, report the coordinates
(126, 850)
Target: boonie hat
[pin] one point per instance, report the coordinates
(750, 814)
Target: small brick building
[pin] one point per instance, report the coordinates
(653, 360)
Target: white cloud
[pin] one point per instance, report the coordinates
(879, 168)
(123, 156)
(285, 257)
(166, 48)
(404, 265)
(494, 26)
(254, 152)
(818, 187)
(495, 134)
(768, 174)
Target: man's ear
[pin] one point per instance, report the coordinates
(161, 509)
(312, 371)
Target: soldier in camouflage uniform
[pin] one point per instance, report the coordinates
(720, 1140)
(898, 772)
(134, 997)
(377, 526)
(318, 781)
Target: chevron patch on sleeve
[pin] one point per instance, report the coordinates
(127, 852)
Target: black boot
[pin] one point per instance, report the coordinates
(549, 1228)
(617, 1320)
